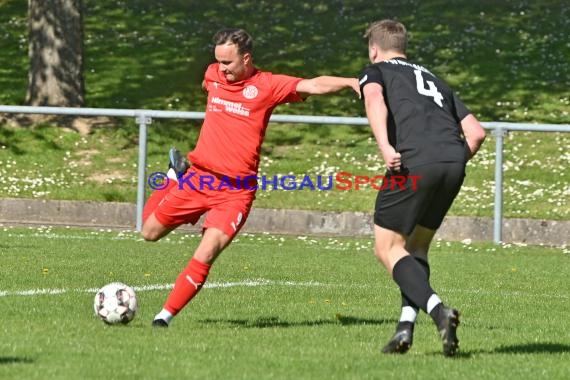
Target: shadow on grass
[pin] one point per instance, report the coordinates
(15, 360)
(530, 348)
(267, 322)
(9, 140)
(276, 322)
(534, 348)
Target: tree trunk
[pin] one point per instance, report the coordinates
(55, 76)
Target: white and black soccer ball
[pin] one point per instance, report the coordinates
(115, 303)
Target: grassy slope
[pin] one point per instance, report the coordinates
(507, 60)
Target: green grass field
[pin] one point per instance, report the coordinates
(274, 308)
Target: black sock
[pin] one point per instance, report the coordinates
(405, 300)
(424, 265)
(413, 281)
(437, 316)
(435, 313)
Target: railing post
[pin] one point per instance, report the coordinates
(499, 133)
(143, 121)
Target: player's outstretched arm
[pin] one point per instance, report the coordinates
(473, 132)
(326, 85)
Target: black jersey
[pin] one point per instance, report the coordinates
(423, 112)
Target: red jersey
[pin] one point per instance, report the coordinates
(236, 118)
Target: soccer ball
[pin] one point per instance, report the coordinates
(115, 303)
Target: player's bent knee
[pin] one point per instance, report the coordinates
(150, 236)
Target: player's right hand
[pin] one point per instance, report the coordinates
(392, 159)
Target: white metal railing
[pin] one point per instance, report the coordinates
(144, 118)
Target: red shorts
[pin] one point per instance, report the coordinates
(226, 202)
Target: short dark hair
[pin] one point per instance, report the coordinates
(388, 35)
(238, 37)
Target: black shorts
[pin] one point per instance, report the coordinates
(422, 196)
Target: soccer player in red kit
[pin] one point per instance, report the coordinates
(241, 99)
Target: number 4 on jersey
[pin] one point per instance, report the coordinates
(431, 91)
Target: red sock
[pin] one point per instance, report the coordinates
(187, 285)
(155, 198)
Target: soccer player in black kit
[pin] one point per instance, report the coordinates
(422, 129)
